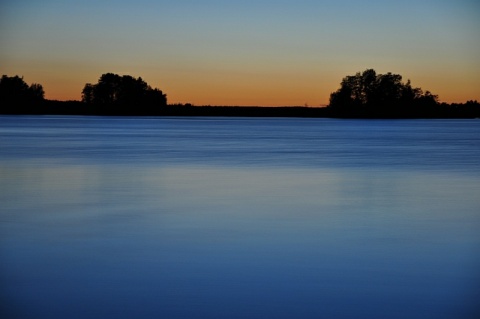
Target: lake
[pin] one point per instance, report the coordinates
(105, 217)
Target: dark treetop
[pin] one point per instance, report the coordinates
(115, 94)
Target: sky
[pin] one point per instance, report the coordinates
(261, 52)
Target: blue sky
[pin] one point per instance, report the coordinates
(242, 52)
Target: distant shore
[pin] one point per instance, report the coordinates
(363, 95)
(49, 107)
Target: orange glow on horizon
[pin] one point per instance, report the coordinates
(249, 95)
(283, 89)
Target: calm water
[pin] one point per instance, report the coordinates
(239, 218)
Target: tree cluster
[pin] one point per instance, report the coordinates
(123, 95)
(16, 95)
(380, 95)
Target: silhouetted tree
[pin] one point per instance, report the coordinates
(17, 97)
(36, 91)
(87, 93)
(123, 94)
(384, 95)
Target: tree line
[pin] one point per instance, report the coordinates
(363, 95)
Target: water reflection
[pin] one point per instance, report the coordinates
(183, 241)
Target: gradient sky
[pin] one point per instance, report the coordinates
(260, 52)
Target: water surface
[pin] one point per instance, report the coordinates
(239, 218)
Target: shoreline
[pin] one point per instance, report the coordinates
(77, 108)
